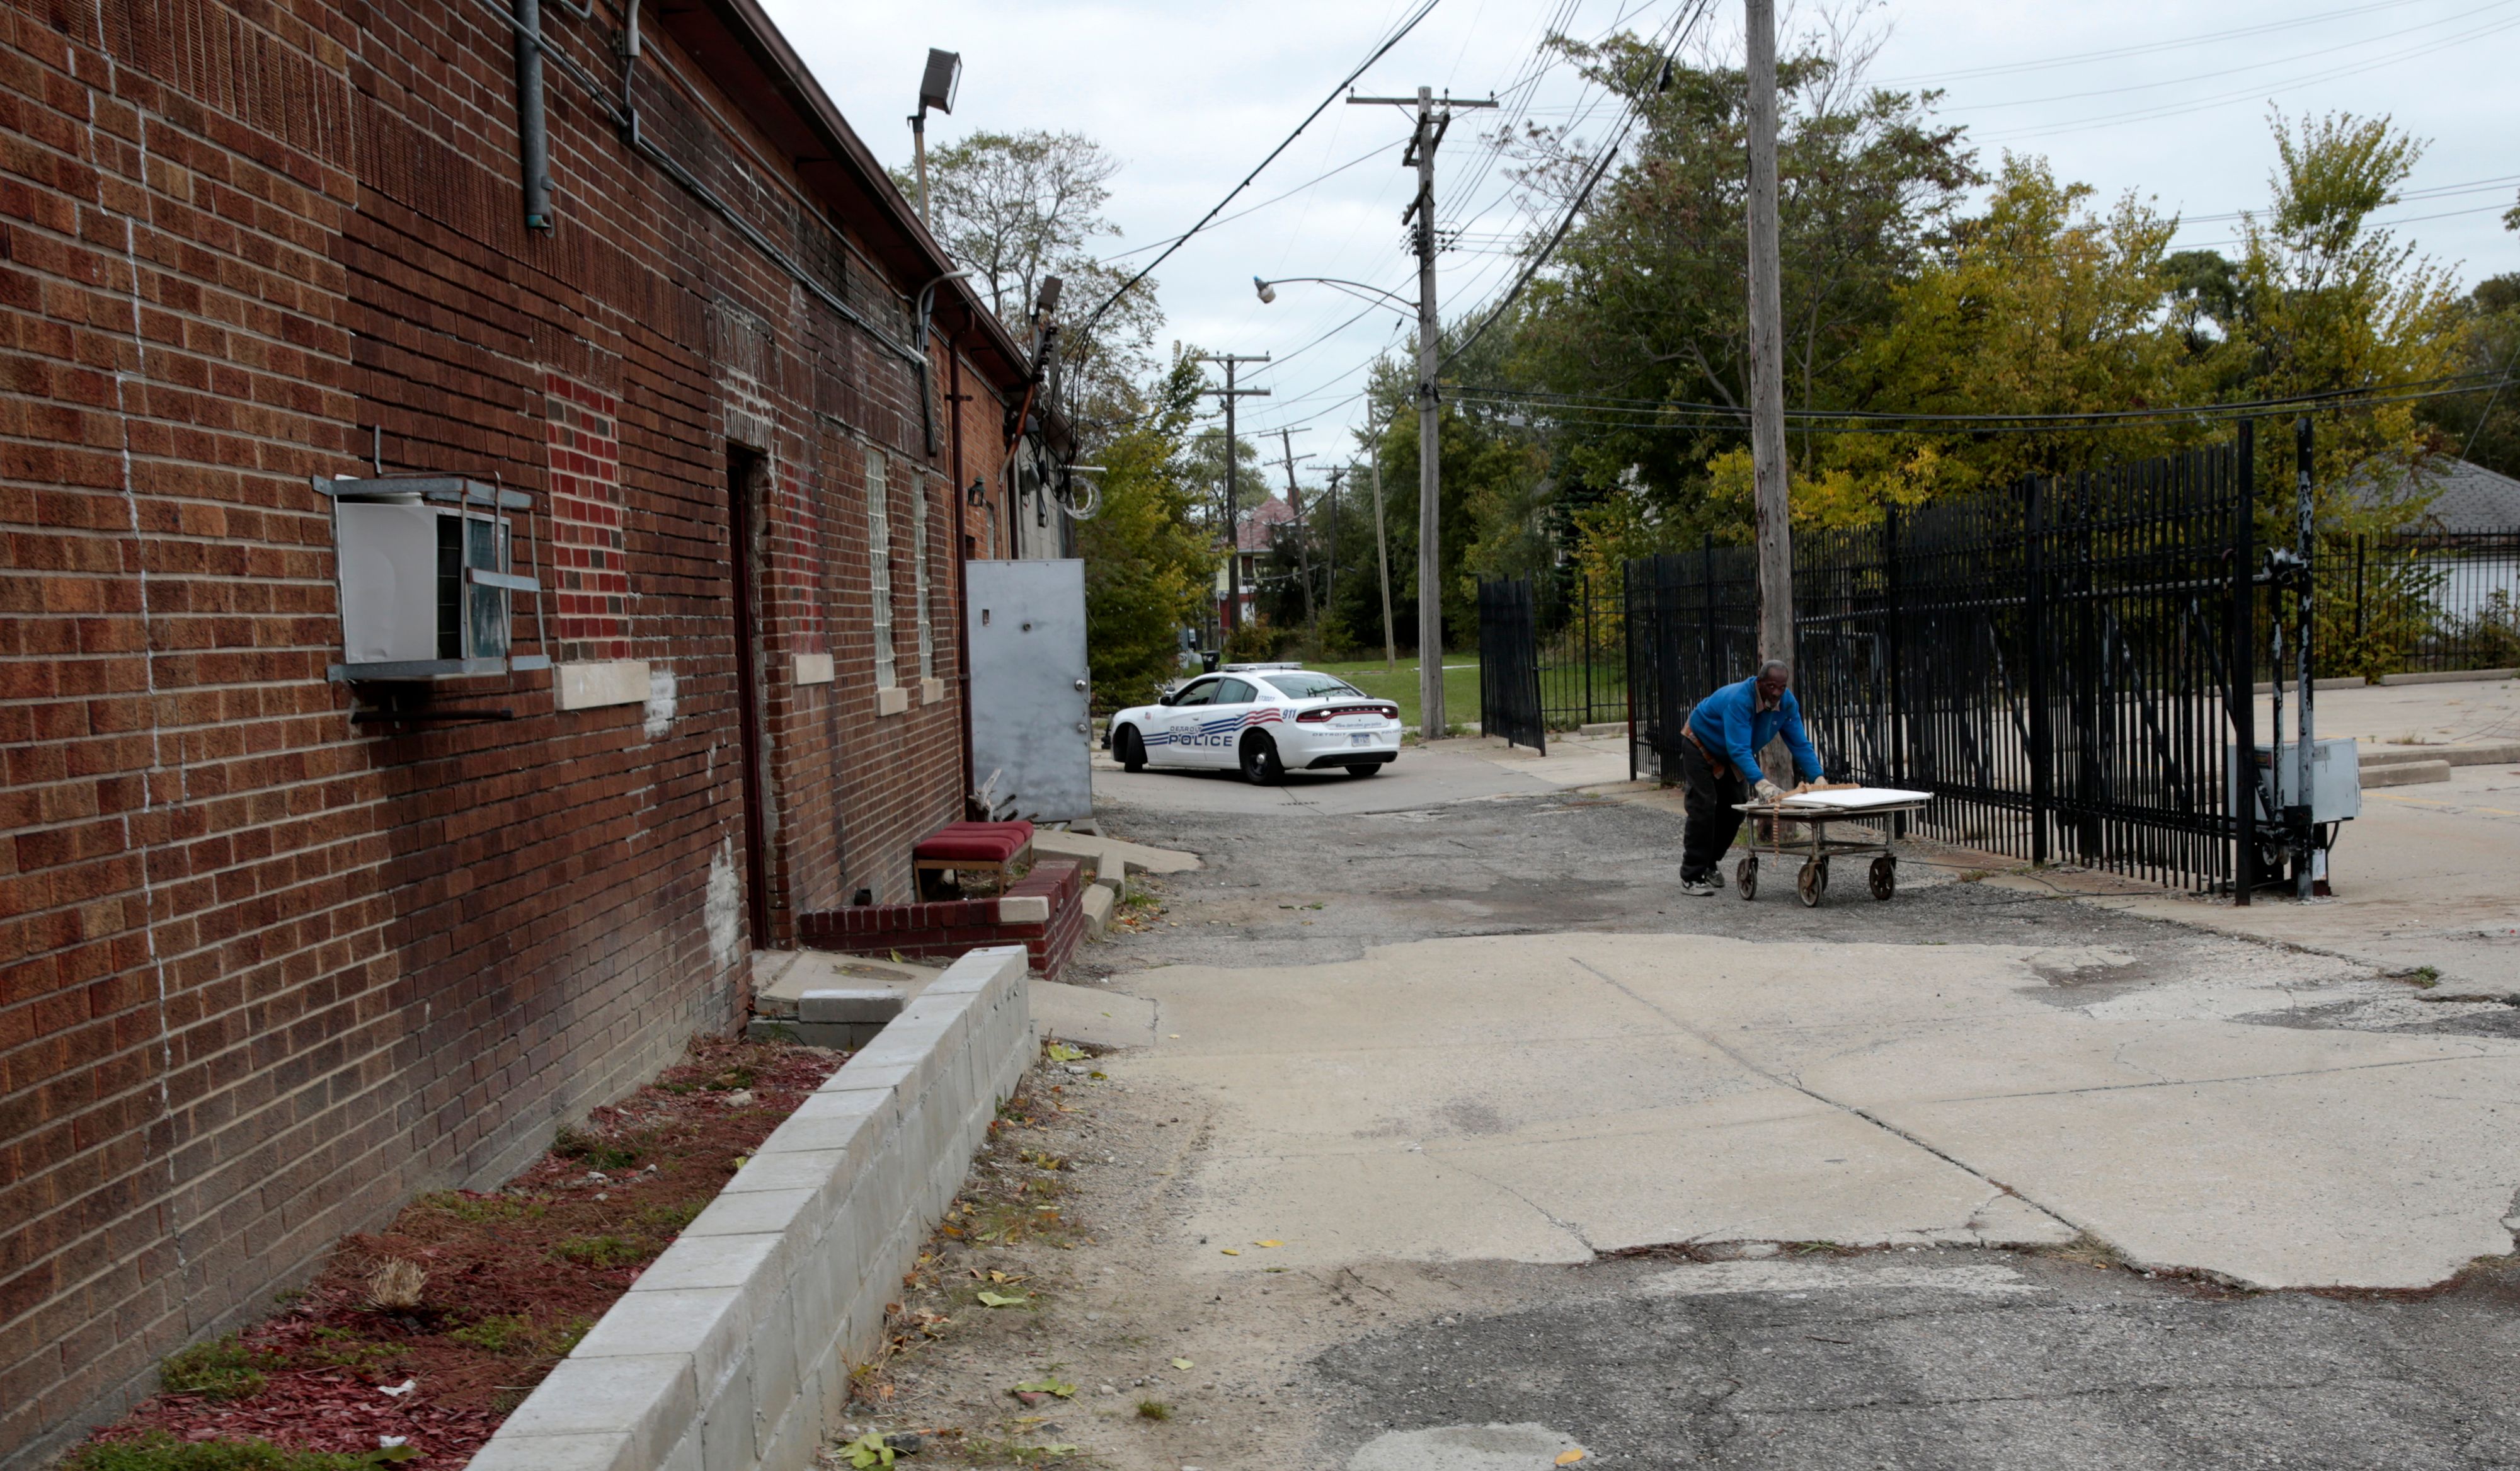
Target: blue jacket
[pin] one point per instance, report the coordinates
(1731, 723)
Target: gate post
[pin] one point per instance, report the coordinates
(2240, 680)
(2042, 741)
(1898, 741)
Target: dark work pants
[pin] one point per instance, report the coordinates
(1712, 821)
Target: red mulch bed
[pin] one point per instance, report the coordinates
(516, 1276)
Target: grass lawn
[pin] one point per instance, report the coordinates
(1461, 685)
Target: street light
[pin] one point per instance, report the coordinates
(1268, 290)
(1430, 644)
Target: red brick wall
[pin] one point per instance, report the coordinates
(265, 974)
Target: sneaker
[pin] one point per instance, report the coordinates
(1697, 887)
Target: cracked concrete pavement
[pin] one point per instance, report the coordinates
(1545, 1155)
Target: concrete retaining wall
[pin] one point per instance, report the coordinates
(733, 1351)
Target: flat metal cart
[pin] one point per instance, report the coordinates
(1805, 831)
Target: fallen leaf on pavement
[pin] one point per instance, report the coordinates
(1229, 1251)
(1181, 1363)
(1268, 1243)
(1569, 1458)
(1000, 1299)
(1060, 1386)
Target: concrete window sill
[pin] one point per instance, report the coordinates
(891, 699)
(593, 685)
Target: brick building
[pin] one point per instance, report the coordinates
(282, 949)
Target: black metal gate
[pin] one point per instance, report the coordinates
(1689, 629)
(1509, 664)
(2065, 664)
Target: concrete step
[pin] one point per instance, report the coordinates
(1111, 855)
(2404, 773)
(2369, 756)
(1099, 902)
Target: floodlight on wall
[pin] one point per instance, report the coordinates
(1048, 301)
(937, 88)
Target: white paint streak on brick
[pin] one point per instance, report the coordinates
(724, 909)
(660, 702)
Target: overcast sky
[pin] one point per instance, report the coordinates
(2169, 99)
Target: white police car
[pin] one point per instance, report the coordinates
(1265, 719)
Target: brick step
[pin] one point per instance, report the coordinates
(1044, 912)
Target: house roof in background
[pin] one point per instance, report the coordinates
(1259, 528)
(2468, 497)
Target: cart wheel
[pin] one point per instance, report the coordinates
(1886, 877)
(1812, 882)
(1746, 876)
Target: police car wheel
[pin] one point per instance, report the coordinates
(1260, 764)
(1132, 750)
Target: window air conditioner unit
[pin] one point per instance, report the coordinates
(427, 575)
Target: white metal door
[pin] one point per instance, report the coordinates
(1030, 734)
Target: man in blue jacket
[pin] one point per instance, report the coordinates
(1718, 752)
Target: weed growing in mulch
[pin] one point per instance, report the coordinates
(468, 1296)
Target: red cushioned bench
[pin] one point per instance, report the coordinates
(973, 847)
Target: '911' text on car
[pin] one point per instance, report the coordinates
(1263, 721)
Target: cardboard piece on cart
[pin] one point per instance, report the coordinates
(1857, 798)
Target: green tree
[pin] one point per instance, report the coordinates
(2483, 426)
(2328, 302)
(1148, 558)
(1644, 302)
(1017, 209)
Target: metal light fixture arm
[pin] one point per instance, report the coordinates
(1269, 292)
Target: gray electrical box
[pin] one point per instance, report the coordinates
(2335, 779)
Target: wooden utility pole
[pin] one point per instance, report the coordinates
(1330, 553)
(1383, 557)
(1432, 121)
(1233, 619)
(1303, 554)
(1766, 386)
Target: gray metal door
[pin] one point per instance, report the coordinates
(1031, 735)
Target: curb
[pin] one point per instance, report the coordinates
(733, 1350)
(2449, 677)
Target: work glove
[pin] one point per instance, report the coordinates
(1766, 791)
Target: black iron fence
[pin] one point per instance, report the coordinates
(2418, 602)
(1583, 657)
(1509, 664)
(2053, 663)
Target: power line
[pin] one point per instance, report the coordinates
(2149, 48)
(1405, 27)
(2181, 110)
(2225, 71)
(1647, 415)
(1681, 26)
